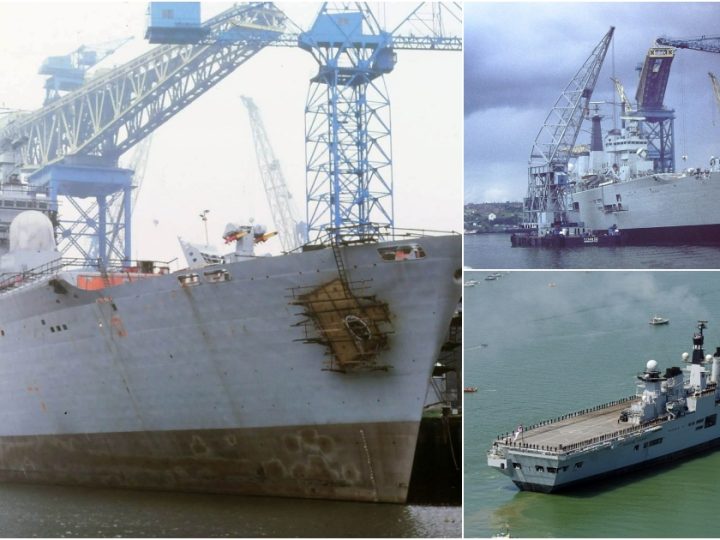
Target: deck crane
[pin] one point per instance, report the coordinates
(349, 184)
(291, 231)
(702, 43)
(70, 148)
(545, 205)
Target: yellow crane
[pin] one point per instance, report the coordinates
(627, 107)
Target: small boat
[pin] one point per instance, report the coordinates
(470, 389)
(490, 278)
(657, 321)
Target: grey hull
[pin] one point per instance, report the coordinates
(151, 373)
(369, 462)
(654, 208)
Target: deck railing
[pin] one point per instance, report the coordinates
(10, 282)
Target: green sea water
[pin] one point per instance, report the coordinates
(541, 344)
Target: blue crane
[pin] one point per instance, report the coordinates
(67, 73)
(70, 147)
(349, 185)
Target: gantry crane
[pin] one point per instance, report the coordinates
(291, 231)
(71, 146)
(545, 205)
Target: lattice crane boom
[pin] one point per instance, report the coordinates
(279, 197)
(562, 125)
(114, 111)
(553, 147)
(702, 43)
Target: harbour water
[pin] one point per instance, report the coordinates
(56, 511)
(541, 344)
(493, 251)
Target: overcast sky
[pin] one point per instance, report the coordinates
(519, 57)
(203, 158)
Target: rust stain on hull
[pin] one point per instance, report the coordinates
(369, 462)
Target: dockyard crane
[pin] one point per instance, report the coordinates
(67, 72)
(71, 146)
(349, 185)
(545, 204)
(291, 231)
(702, 43)
(655, 121)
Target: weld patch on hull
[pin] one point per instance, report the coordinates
(367, 462)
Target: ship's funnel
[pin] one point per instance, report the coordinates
(597, 154)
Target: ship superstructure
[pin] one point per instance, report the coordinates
(672, 414)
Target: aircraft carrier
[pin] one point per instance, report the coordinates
(671, 416)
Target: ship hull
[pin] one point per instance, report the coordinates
(612, 454)
(181, 382)
(656, 209)
(666, 459)
(359, 462)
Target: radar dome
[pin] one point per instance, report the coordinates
(708, 357)
(651, 365)
(685, 356)
(31, 231)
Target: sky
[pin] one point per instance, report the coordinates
(203, 158)
(518, 58)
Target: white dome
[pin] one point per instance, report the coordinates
(685, 356)
(31, 231)
(651, 365)
(708, 357)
